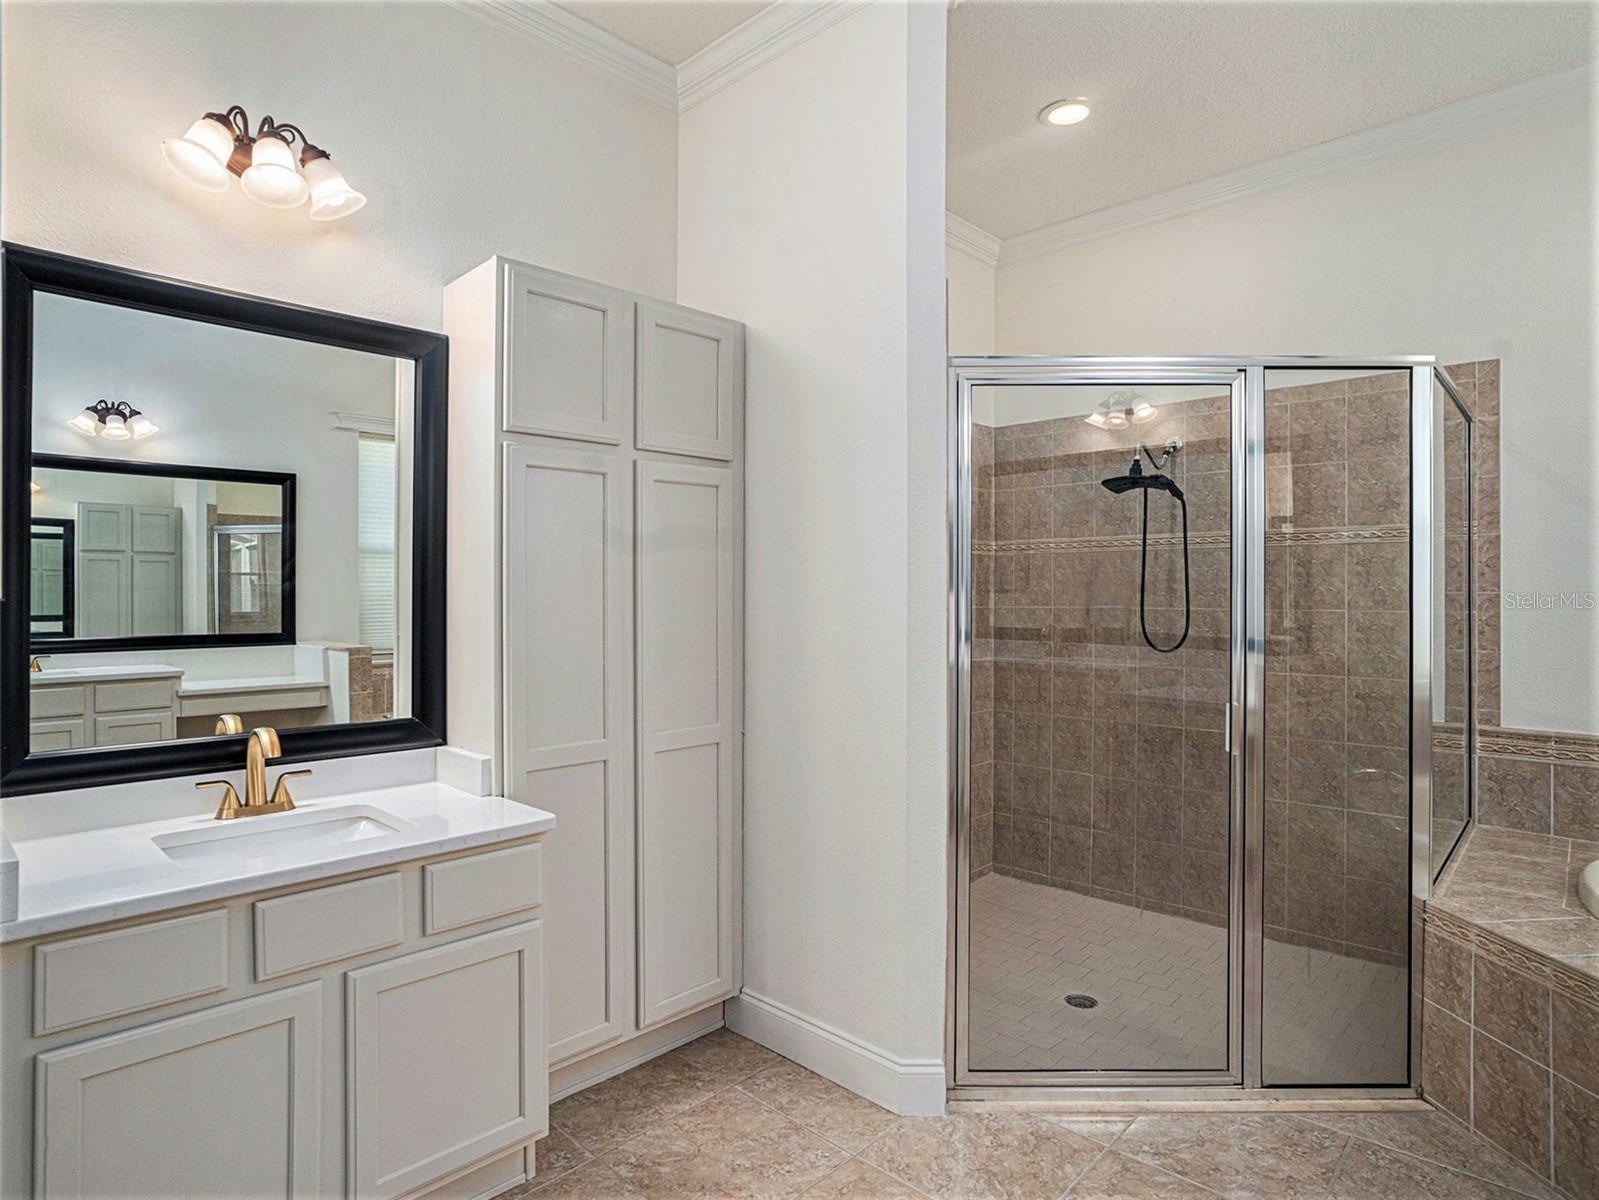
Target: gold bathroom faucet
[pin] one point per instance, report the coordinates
(261, 746)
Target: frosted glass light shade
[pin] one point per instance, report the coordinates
(331, 196)
(201, 154)
(1143, 411)
(116, 429)
(271, 178)
(85, 424)
(142, 427)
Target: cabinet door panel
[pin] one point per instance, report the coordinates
(129, 729)
(102, 527)
(221, 1102)
(569, 358)
(103, 607)
(155, 595)
(69, 734)
(155, 530)
(445, 1059)
(689, 376)
(569, 721)
(686, 719)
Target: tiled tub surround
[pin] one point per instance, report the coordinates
(1511, 1023)
(723, 1117)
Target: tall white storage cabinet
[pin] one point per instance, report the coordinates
(596, 546)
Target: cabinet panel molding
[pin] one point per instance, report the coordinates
(151, 964)
(224, 1101)
(444, 1059)
(568, 356)
(686, 721)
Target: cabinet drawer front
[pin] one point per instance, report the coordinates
(293, 933)
(57, 702)
(133, 695)
(69, 734)
(110, 974)
(467, 890)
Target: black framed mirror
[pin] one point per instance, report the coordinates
(170, 556)
(212, 503)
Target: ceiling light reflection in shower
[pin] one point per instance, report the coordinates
(1121, 409)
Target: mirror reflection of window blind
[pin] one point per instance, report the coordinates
(375, 527)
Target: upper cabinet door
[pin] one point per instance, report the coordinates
(569, 357)
(690, 373)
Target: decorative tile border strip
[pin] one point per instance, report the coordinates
(1556, 974)
(1279, 537)
(1544, 745)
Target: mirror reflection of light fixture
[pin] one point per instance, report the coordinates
(33, 487)
(115, 422)
(220, 143)
(1121, 409)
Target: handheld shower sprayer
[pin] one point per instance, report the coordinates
(1137, 479)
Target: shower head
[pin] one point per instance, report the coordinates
(1135, 478)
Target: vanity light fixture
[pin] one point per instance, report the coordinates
(1065, 112)
(115, 422)
(270, 173)
(1121, 409)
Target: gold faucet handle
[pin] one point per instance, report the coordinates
(230, 806)
(229, 723)
(280, 793)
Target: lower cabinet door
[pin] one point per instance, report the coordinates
(444, 1059)
(221, 1102)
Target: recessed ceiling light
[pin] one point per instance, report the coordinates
(1065, 112)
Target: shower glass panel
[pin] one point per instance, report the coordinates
(1453, 708)
(1336, 894)
(1101, 879)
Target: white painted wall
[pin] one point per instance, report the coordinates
(971, 302)
(466, 141)
(828, 162)
(1480, 248)
(223, 398)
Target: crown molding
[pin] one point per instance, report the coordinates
(978, 243)
(359, 422)
(576, 40)
(1406, 135)
(770, 33)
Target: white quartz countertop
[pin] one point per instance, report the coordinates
(250, 683)
(85, 878)
(103, 674)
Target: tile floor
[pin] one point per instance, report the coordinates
(1161, 983)
(723, 1117)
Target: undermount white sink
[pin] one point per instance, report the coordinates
(1588, 887)
(287, 836)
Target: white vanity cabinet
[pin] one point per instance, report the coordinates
(380, 1035)
(596, 541)
(109, 712)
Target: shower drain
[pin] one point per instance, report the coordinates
(1079, 1000)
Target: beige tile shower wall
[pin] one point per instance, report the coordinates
(1109, 774)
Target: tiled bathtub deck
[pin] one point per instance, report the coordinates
(723, 1117)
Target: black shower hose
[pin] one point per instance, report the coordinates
(1143, 576)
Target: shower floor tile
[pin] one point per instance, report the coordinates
(1160, 983)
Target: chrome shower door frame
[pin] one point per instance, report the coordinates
(1245, 378)
(964, 375)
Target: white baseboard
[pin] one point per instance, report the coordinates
(911, 1087)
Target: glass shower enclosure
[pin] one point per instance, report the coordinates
(1211, 719)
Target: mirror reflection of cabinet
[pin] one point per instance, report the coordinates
(129, 570)
(52, 554)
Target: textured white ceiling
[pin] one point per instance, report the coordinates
(670, 30)
(1184, 91)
